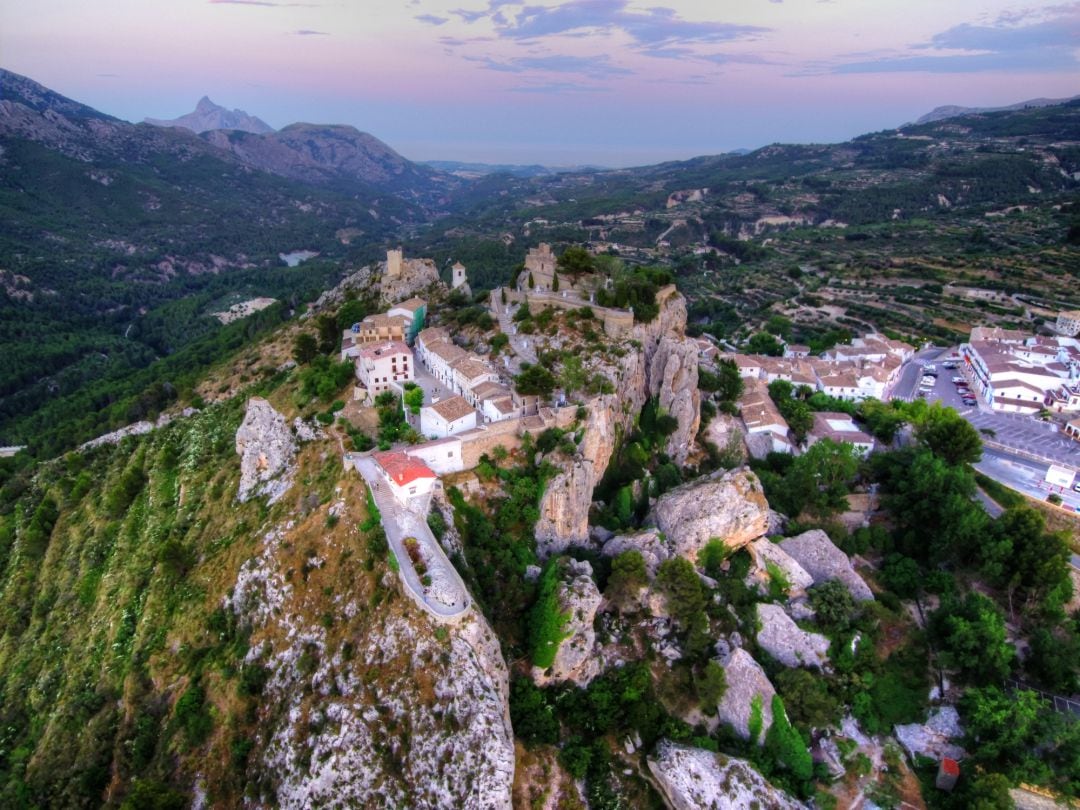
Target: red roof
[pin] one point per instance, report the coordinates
(403, 469)
(950, 766)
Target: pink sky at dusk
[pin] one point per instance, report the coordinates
(611, 82)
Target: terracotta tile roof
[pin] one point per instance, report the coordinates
(432, 335)
(412, 304)
(489, 390)
(386, 349)
(447, 352)
(471, 367)
(452, 409)
(401, 468)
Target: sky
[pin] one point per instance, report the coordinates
(559, 82)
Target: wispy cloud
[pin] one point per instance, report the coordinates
(1049, 44)
(594, 67)
(559, 87)
(307, 32)
(431, 19)
(263, 3)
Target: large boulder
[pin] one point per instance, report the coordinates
(564, 508)
(578, 600)
(696, 779)
(934, 738)
(822, 560)
(266, 446)
(785, 641)
(648, 542)
(766, 553)
(730, 506)
(745, 681)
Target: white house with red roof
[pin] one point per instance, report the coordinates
(380, 365)
(407, 476)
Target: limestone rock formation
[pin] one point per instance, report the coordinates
(730, 506)
(416, 276)
(578, 599)
(696, 779)
(745, 679)
(266, 446)
(765, 552)
(934, 738)
(333, 737)
(822, 560)
(647, 542)
(209, 116)
(785, 641)
(564, 509)
(673, 379)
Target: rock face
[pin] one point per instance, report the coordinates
(332, 733)
(564, 509)
(673, 379)
(579, 598)
(266, 446)
(695, 779)
(934, 738)
(417, 275)
(815, 552)
(765, 551)
(745, 679)
(781, 638)
(729, 506)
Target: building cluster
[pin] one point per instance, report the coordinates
(866, 368)
(1013, 371)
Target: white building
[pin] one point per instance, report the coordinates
(767, 430)
(379, 366)
(1018, 373)
(471, 371)
(442, 455)
(840, 428)
(496, 409)
(408, 477)
(1068, 323)
(447, 417)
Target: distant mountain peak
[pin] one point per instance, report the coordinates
(952, 110)
(208, 116)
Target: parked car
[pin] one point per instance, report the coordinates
(958, 380)
(929, 378)
(971, 403)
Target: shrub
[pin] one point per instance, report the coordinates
(546, 620)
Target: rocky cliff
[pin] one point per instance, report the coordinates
(660, 362)
(209, 116)
(266, 446)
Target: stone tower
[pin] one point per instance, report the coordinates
(393, 262)
(457, 276)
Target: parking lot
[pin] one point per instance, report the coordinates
(1013, 430)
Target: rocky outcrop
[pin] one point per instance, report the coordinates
(933, 738)
(564, 509)
(673, 380)
(209, 116)
(578, 600)
(358, 282)
(266, 446)
(413, 719)
(648, 542)
(766, 553)
(696, 779)
(745, 680)
(730, 506)
(822, 560)
(417, 275)
(785, 641)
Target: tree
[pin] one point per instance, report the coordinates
(778, 325)
(628, 575)
(1024, 558)
(305, 348)
(727, 383)
(572, 375)
(329, 335)
(973, 639)
(834, 606)
(949, 436)
(351, 312)
(786, 746)
(575, 262)
(807, 699)
(764, 343)
(534, 381)
(710, 683)
(679, 582)
(414, 399)
(555, 282)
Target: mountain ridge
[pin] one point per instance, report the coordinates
(209, 116)
(954, 110)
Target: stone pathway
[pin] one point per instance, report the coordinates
(446, 598)
(524, 346)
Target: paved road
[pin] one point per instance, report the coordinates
(1023, 475)
(907, 387)
(447, 598)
